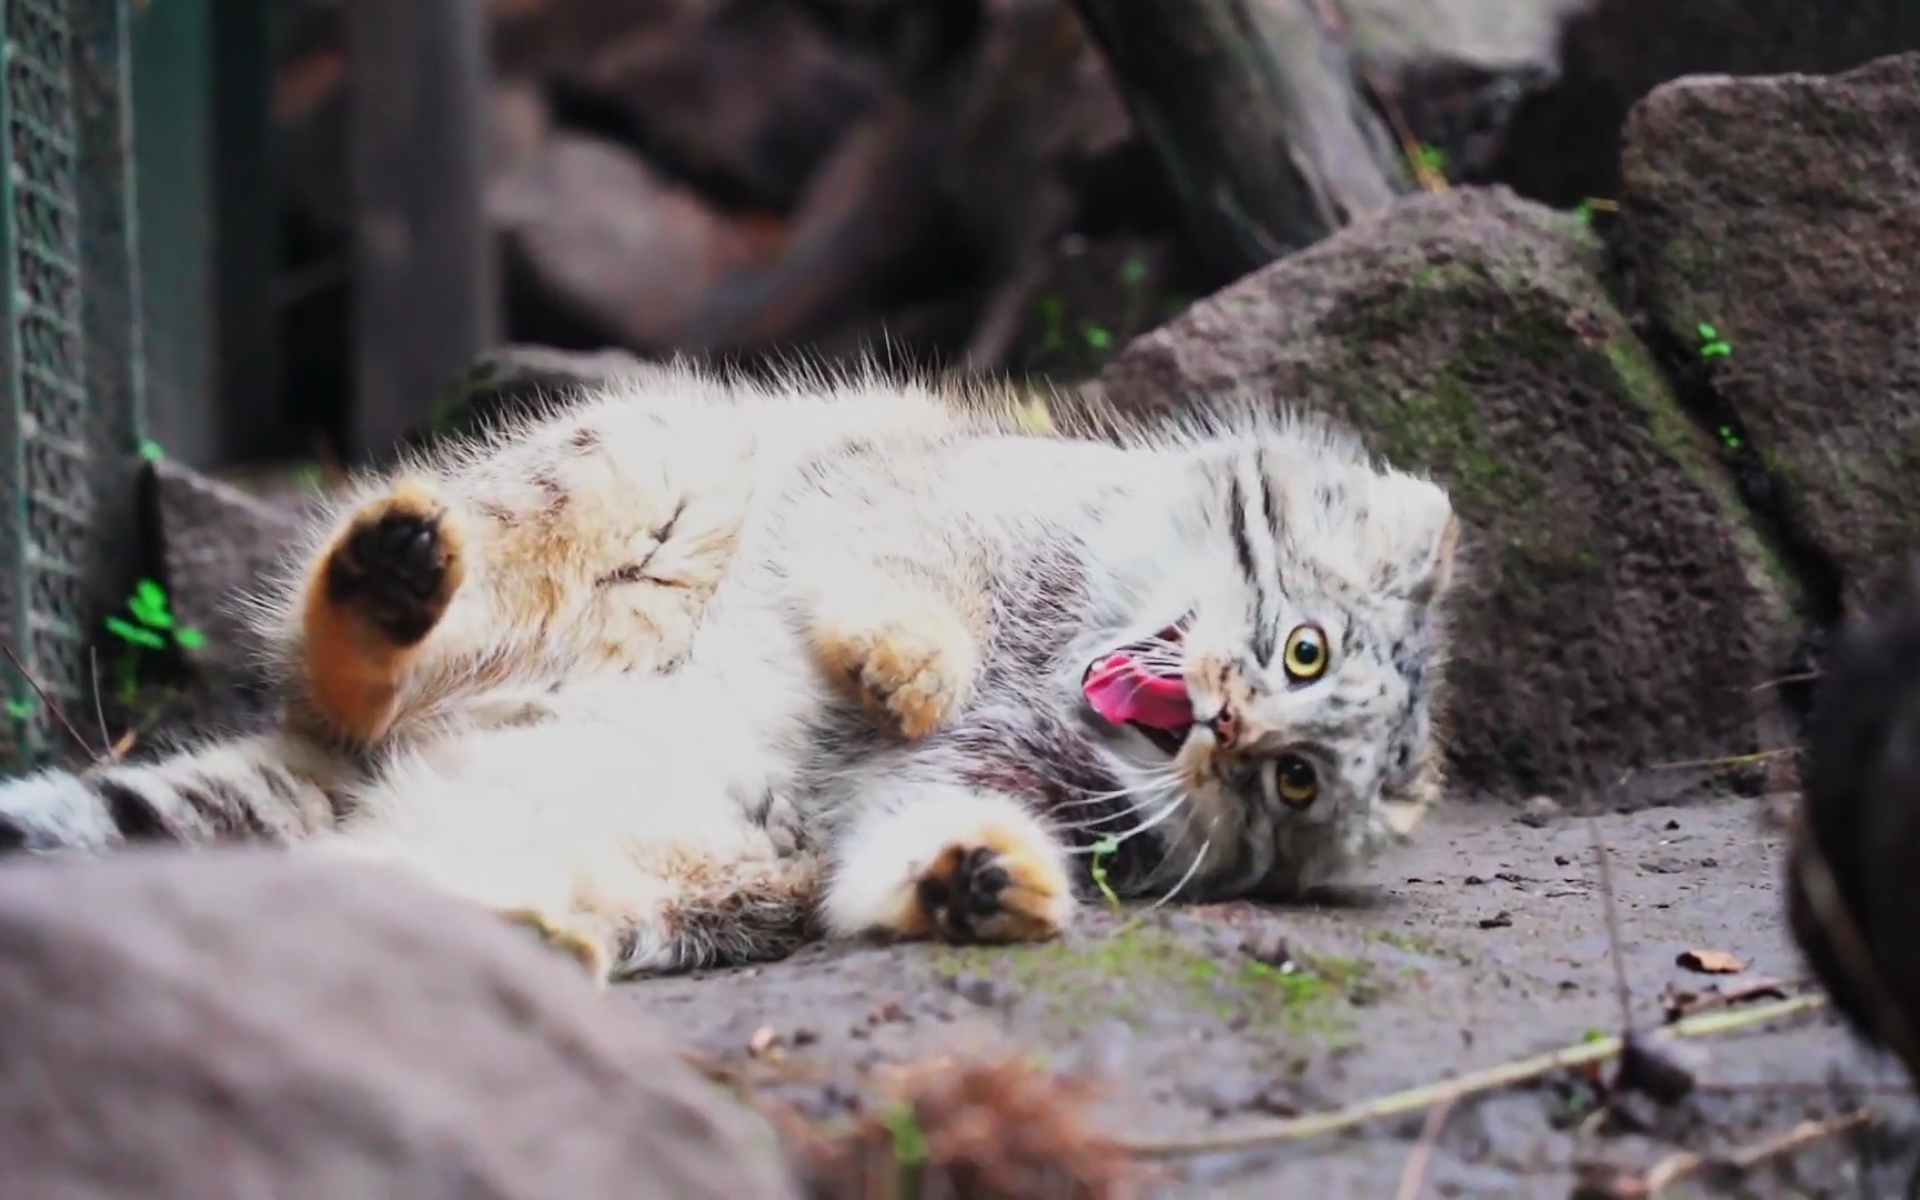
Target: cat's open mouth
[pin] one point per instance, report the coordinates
(1140, 685)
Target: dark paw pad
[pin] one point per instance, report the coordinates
(396, 568)
(964, 891)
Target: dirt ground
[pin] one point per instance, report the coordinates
(1484, 943)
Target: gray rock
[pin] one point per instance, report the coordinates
(1618, 609)
(1785, 214)
(216, 542)
(242, 1023)
(514, 381)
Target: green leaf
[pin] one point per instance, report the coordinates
(1104, 849)
(1707, 332)
(20, 709)
(1098, 337)
(150, 450)
(909, 1142)
(134, 635)
(149, 605)
(1133, 271)
(189, 638)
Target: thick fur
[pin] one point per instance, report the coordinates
(693, 673)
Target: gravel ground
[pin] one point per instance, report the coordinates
(1484, 943)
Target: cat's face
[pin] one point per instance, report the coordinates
(1302, 625)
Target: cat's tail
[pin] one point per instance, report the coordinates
(272, 787)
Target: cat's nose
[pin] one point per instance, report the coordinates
(1225, 727)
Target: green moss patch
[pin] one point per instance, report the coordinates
(1139, 970)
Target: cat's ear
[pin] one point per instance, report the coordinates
(1419, 565)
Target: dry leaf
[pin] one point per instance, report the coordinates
(1711, 962)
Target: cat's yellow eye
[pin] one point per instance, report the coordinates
(1305, 655)
(1297, 782)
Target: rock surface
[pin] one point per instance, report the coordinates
(215, 542)
(1784, 213)
(244, 1023)
(1619, 611)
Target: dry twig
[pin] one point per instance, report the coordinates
(53, 706)
(1300, 1129)
(1414, 1176)
(1675, 1167)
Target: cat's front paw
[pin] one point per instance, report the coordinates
(911, 670)
(995, 888)
(398, 564)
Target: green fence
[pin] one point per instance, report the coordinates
(70, 417)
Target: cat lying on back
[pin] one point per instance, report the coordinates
(690, 675)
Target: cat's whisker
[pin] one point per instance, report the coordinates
(1201, 857)
(1156, 814)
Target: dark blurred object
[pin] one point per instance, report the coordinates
(741, 103)
(1853, 890)
(1453, 73)
(1254, 109)
(207, 239)
(1564, 143)
(424, 297)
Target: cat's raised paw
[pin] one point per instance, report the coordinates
(915, 675)
(398, 564)
(995, 889)
(578, 944)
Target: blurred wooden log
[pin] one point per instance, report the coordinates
(424, 299)
(1252, 107)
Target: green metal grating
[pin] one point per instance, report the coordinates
(69, 358)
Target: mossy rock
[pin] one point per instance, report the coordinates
(1618, 608)
(1785, 213)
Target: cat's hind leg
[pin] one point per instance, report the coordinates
(948, 863)
(630, 871)
(376, 592)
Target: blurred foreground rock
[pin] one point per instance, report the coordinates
(193, 1027)
(1619, 607)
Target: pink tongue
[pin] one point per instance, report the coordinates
(1121, 690)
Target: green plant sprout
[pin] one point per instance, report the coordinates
(1430, 158)
(1583, 211)
(1104, 849)
(152, 627)
(1712, 345)
(21, 707)
(1053, 313)
(1729, 438)
(150, 450)
(909, 1143)
(1097, 336)
(1133, 272)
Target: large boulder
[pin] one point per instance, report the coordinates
(1618, 610)
(1785, 213)
(190, 1027)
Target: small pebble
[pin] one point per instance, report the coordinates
(1267, 947)
(1500, 920)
